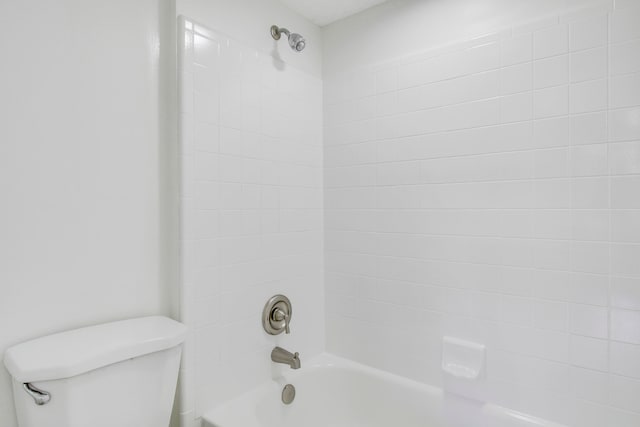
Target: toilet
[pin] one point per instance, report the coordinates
(119, 374)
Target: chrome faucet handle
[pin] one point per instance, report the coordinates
(279, 315)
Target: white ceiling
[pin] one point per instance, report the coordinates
(323, 12)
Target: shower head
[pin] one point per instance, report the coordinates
(296, 41)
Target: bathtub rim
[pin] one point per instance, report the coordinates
(328, 360)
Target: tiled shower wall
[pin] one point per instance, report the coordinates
(252, 223)
(490, 190)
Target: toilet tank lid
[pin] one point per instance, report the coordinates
(75, 352)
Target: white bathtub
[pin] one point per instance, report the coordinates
(334, 392)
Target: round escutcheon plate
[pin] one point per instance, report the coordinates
(288, 394)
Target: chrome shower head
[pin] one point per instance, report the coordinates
(296, 41)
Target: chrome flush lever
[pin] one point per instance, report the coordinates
(40, 397)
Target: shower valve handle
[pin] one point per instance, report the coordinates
(279, 315)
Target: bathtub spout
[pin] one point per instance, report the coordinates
(280, 355)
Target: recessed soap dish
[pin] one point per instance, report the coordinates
(462, 359)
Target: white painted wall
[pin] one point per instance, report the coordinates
(405, 27)
(80, 157)
(488, 190)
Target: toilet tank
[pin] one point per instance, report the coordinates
(120, 374)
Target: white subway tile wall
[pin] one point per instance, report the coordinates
(252, 219)
(491, 191)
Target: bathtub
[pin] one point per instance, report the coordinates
(334, 392)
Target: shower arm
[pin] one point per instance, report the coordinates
(296, 41)
(276, 32)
